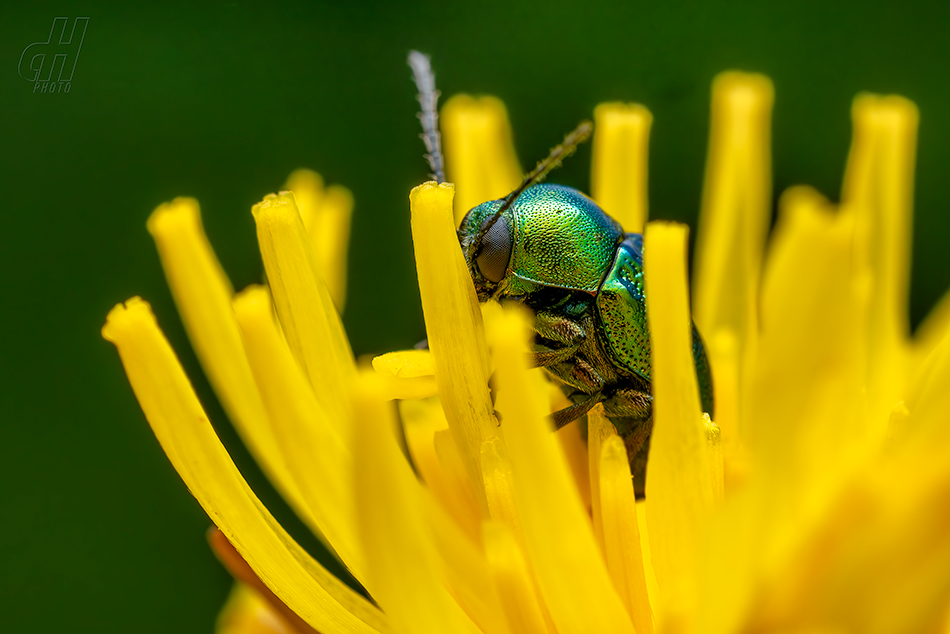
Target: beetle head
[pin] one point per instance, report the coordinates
(487, 239)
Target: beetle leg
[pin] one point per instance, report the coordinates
(546, 358)
(559, 330)
(564, 416)
(629, 402)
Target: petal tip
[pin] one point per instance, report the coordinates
(124, 316)
(171, 217)
(276, 207)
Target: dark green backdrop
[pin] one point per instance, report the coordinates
(222, 101)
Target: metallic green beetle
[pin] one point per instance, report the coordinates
(554, 250)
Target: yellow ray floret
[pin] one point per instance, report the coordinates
(513, 581)
(733, 224)
(545, 496)
(480, 153)
(496, 473)
(397, 540)
(408, 374)
(422, 421)
(619, 164)
(679, 486)
(186, 435)
(307, 316)
(615, 519)
(326, 214)
(203, 293)
(314, 444)
(804, 416)
(878, 192)
(453, 323)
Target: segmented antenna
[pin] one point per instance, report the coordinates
(558, 153)
(429, 116)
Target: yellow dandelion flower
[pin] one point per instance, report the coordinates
(817, 501)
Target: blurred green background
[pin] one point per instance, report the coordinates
(221, 101)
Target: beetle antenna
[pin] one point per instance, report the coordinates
(558, 153)
(429, 116)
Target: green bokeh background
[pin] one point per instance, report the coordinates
(221, 101)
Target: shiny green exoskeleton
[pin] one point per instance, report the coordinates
(554, 250)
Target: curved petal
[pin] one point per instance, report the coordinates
(203, 293)
(314, 444)
(186, 435)
(309, 320)
(326, 214)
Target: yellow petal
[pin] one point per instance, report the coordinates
(405, 571)
(599, 429)
(453, 324)
(496, 473)
(570, 571)
(619, 163)
(245, 576)
(203, 295)
(479, 151)
(618, 511)
(317, 452)
(309, 191)
(512, 580)
(307, 317)
(326, 214)
(464, 569)
(652, 591)
(331, 240)
(878, 190)
(678, 483)
(804, 414)
(409, 374)
(733, 223)
(928, 398)
(575, 451)
(422, 420)
(806, 396)
(462, 563)
(453, 468)
(405, 364)
(183, 429)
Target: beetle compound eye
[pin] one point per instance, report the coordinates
(495, 252)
